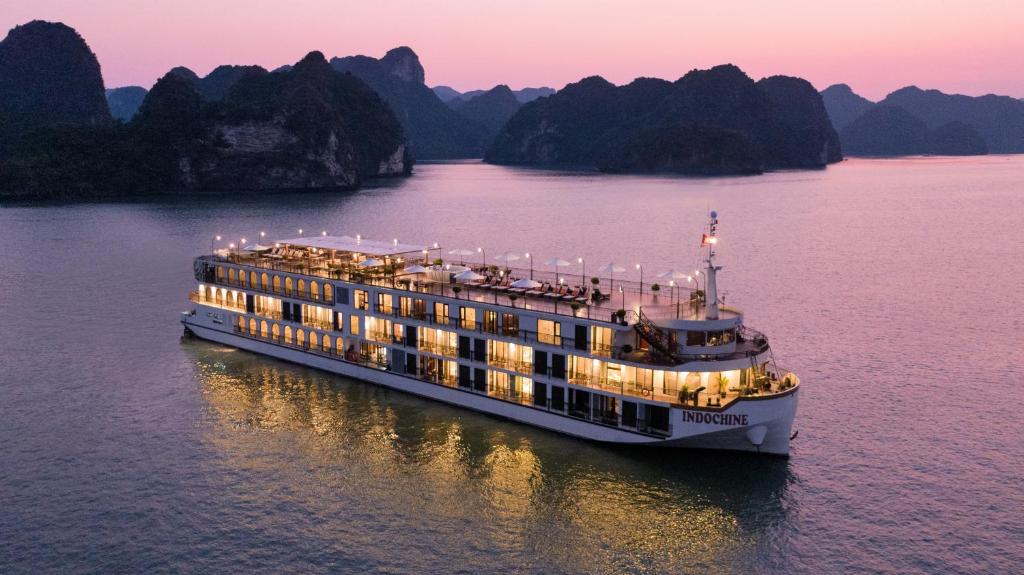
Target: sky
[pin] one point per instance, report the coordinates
(960, 46)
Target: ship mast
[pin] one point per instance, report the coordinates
(711, 288)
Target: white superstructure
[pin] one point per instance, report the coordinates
(602, 359)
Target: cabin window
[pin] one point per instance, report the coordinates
(440, 313)
(405, 306)
(510, 324)
(491, 321)
(362, 299)
(549, 331)
(353, 324)
(695, 338)
(385, 303)
(601, 340)
(467, 317)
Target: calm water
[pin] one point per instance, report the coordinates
(892, 287)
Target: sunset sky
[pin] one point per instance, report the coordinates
(971, 47)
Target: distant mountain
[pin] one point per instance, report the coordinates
(446, 93)
(216, 84)
(715, 121)
(843, 105)
(999, 119)
(887, 130)
(449, 94)
(491, 109)
(125, 101)
(48, 77)
(308, 127)
(434, 130)
(530, 94)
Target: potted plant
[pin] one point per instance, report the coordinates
(512, 298)
(456, 289)
(684, 393)
(574, 305)
(655, 288)
(594, 281)
(723, 385)
(438, 262)
(620, 315)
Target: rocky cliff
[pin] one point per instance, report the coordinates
(715, 121)
(124, 102)
(308, 127)
(433, 130)
(490, 110)
(48, 77)
(887, 130)
(843, 105)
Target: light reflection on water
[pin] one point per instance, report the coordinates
(537, 500)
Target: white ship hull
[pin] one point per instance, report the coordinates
(757, 424)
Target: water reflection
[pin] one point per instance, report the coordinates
(342, 450)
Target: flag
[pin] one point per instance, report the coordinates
(707, 240)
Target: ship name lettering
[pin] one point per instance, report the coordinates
(715, 418)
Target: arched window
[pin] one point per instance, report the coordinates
(288, 285)
(287, 334)
(277, 284)
(230, 301)
(264, 329)
(220, 296)
(231, 275)
(301, 287)
(241, 279)
(326, 342)
(339, 346)
(264, 281)
(252, 326)
(252, 279)
(275, 331)
(241, 323)
(220, 273)
(314, 290)
(328, 293)
(300, 338)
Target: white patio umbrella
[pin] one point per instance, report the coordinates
(463, 252)
(612, 269)
(468, 276)
(258, 248)
(525, 283)
(557, 263)
(415, 269)
(369, 263)
(506, 257)
(673, 275)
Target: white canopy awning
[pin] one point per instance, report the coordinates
(356, 245)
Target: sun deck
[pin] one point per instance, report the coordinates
(409, 267)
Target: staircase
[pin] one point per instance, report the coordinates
(658, 340)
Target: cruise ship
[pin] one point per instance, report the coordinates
(595, 357)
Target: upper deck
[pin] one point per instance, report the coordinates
(421, 269)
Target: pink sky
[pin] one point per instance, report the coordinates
(970, 47)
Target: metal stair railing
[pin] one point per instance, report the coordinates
(653, 335)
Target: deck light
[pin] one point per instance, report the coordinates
(359, 238)
(483, 254)
(531, 264)
(324, 233)
(436, 246)
(395, 242)
(300, 231)
(263, 234)
(217, 238)
(641, 268)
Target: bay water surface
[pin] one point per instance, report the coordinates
(893, 288)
